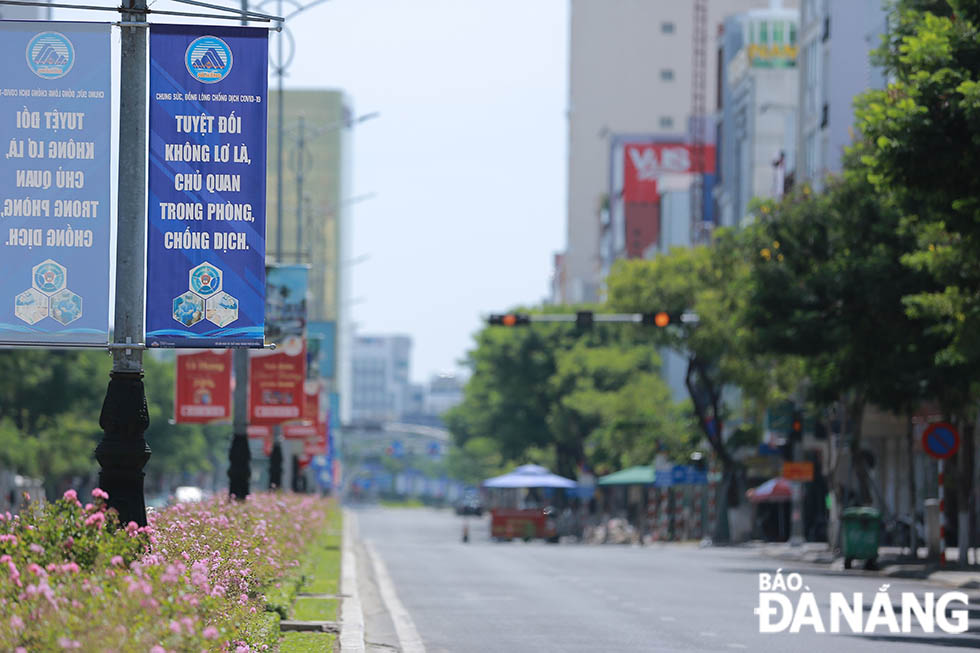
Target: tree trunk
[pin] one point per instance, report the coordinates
(857, 458)
(568, 457)
(708, 412)
(836, 487)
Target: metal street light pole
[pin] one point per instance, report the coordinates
(275, 459)
(280, 72)
(122, 453)
(239, 454)
(300, 166)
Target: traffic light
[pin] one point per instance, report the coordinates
(796, 427)
(583, 319)
(659, 319)
(509, 319)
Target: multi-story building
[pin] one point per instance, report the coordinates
(630, 73)
(316, 178)
(758, 79)
(443, 392)
(836, 39)
(381, 389)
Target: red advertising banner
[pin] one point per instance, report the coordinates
(203, 387)
(276, 383)
(310, 414)
(644, 163)
(317, 444)
(257, 432)
(642, 227)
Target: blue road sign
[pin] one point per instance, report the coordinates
(940, 440)
(680, 475)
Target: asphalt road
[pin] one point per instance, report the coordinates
(536, 597)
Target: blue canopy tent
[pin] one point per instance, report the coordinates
(529, 476)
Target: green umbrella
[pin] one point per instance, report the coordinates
(639, 475)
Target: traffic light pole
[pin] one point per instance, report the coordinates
(588, 318)
(796, 518)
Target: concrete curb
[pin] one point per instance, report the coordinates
(924, 570)
(351, 613)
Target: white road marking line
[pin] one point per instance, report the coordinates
(737, 646)
(351, 613)
(408, 637)
(706, 633)
(668, 619)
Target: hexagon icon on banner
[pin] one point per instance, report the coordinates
(66, 306)
(205, 279)
(31, 306)
(188, 309)
(221, 309)
(49, 276)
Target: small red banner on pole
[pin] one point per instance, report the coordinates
(276, 383)
(203, 386)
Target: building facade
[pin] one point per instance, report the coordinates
(442, 393)
(630, 72)
(306, 221)
(836, 39)
(381, 388)
(758, 79)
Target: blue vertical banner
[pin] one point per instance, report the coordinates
(55, 100)
(205, 253)
(325, 334)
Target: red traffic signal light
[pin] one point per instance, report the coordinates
(509, 319)
(796, 426)
(659, 319)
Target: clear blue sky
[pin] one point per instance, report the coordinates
(467, 158)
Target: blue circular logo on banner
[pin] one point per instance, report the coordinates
(208, 59)
(50, 55)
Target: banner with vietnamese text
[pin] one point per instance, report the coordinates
(205, 258)
(55, 105)
(203, 386)
(276, 379)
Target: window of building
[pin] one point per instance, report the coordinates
(763, 32)
(666, 122)
(778, 32)
(667, 74)
(667, 27)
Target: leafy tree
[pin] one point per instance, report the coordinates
(50, 402)
(477, 459)
(618, 392)
(829, 288)
(920, 149)
(711, 283)
(551, 387)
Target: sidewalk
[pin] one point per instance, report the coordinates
(891, 562)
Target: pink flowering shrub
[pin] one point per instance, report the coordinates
(193, 579)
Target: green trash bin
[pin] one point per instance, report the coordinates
(862, 530)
